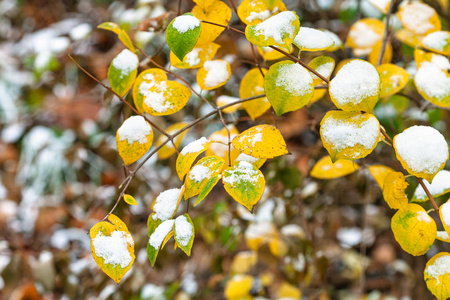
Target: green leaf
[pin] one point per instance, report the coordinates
(129, 199)
(182, 34)
(158, 238)
(288, 86)
(122, 71)
(184, 233)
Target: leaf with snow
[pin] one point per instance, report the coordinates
(414, 229)
(245, 183)
(382, 5)
(239, 287)
(129, 199)
(261, 141)
(438, 41)
(144, 81)
(166, 204)
(439, 187)
(122, 72)
(433, 84)
(134, 138)
(422, 151)
(324, 65)
(182, 34)
(365, 33)
(188, 155)
(213, 74)
(217, 12)
(252, 84)
(122, 34)
(257, 162)
(443, 236)
(310, 39)
(158, 238)
(379, 172)
(356, 87)
(288, 86)
(184, 233)
(419, 18)
(168, 149)
(196, 57)
(219, 144)
(112, 247)
(202, 178)
(336, 40)
(326, 169)
(269, 53)
(421, 57)
(252, 12)
(278, 30)
(223, 100)
(394, 186)
(393, 79)
(349, 135)
(437, 275)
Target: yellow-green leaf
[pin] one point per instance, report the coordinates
(394, 186)
(252, 12)
(129, 199)
(110, 26)
(326, 169)
(278, 30)
(158, 238)
(182, 34)
(217, 12)
(201, 179)
(122, 72)
(164, 97)
(196, 57)
(419, 18)
(437, 275)
(184, 233)
(422, 151)
(188, 155)
(310, 39)
(245, 183)
(252, 84)
(133, 139)
(439, 187)
(168, 149)
(438, 41)
(324, 65)
(349, 135)
(213, 74)
(261, 141)
(393, 79)
(379, 172)
(112, 247)
(288, 86)
(122, 34)
(414, 229)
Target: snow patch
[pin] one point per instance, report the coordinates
(134, 129)
(114, 248)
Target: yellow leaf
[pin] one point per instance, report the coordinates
(238, 287)
(244, 261)
(349, 135)
(318, 94)
(252, 12)
(269, 53)
(168, 149)
(379, 172)
(433, 84)
(375, 53)
(444, 213)
(110, 26)
(438, 41)
(245, 183)
(365, 33)
(422, 151)
(129, 199)
(414, 229)
(219, 144)
(133, 139)
(326, 169)
(419, 18)
(437, 275)
(421, 57)
(310, 39)
(197, 57)
(324, 65)
(144, 81)
(407, 37)
(213, 74)
(252, 84)
(356, 86)
(164, 97)
(261, 141)
(122, 34)
(188, 155)
(394, 186)
(258, 234)
(204, 4)
(217, 12)
(289, 292)
(393, 79)
(278, 248)
(278, 30)
(112, 247)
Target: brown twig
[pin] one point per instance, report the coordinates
(385, 34)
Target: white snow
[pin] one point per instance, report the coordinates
(441, 61)
(134, 129)
(432, 80)
(445, 212)
(114, 248)
(195, 146)
(244, 173)
(192, 57)
(441, 182)
(80, 31)
(382, 5)
(349, 236)
(262, 15)
(422, 148)
(277, 26)
(166, 204)
(293, 230)
(422, 216)
(295, 79)
(185, 23)
(354, 82)
(416, 17)
(153, 93)
(126, 61)
(199, 173)
(220, 142)
(437, 40)
(183, 231)
(363, 36)
(324, 69)
(160, 233)
(441, 266)
(217, 72)
(442, 235)
(248, 158)
(337, 41)
(311, 39)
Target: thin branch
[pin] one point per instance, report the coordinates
(422, 184)
(386, 33)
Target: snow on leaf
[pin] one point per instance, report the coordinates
(382, 5)
(245, 183)
(421, 57)
(112, 247)
(157, 239)
(422, 151)
(443, 236)
(166, 204)
(188, 155)
(419, 18)
(393, 79)
(288, 87)
(310, 39)
(337, 41)
(129, 199)
(134, 137)
(324, 65)
(252, 84)
(355, 87)
(145, 80)
(202, 178)
(257, 162)
(365, 33)
(438, 41)
(261, 141)
(326, 169)
(182, 34)
(122, 72)
(394, 186)
(252, 12)
(213, 74)
(168, 149)
(414, 229)
(349, 135)
(433, 84)
(196, 57)
(184, 233)
(437, 275)
(379, 172)
(217, 12)
(439, 187)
